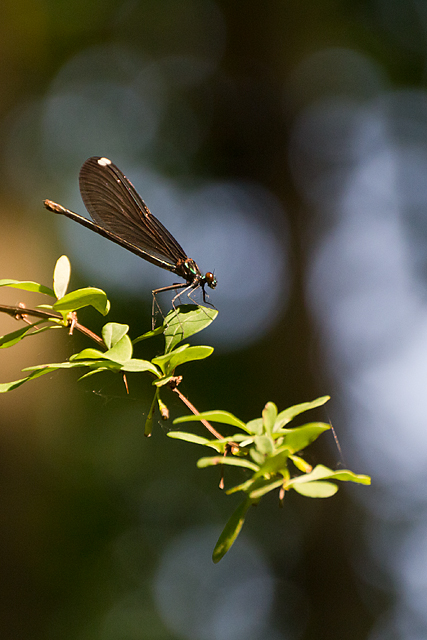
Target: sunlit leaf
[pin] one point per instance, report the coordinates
(269, 414)
(269, 485)
(61, 276)
(316, 489)
(289, 414)
(13, 338)
(10, 386)
(163, 361)
(53, 366)
(135, 365)
(10, 339)
(191, 437)
(198, 352)
(90, 353)
(170, 361)
(112, 332)
(27, 285)
(301, 464)
(230, 461)
(90, 296)
(300, 437)
(121, 351)
(320, 472)
(348, 476)
(185, 321)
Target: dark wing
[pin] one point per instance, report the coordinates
(114, 204)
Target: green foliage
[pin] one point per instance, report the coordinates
(117, 353)
(264, 449)
(27, 286)
(269, 451)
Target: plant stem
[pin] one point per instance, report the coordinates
(20, 311)
(193, 410)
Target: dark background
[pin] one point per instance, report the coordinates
(304, 126)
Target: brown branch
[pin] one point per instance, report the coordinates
(18, 312)
(193, 410)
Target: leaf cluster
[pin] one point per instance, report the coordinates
(270, 451)
(116, 347)
(266, 450)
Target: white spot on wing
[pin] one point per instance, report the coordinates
(104, 162)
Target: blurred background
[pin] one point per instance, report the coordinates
(284, 144)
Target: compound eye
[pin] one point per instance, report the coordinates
(210, 280)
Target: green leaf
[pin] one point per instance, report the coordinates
(231, 531)
(224, 417)
(301, 464)
(132, 365)
(191, 437)
(90, 296)
(10, 339)
(64, 365)
(135, 365)
(112, 332)
(289, 414)
(269, 485)
(300, 437)
(274, 464)
(320, 472)
(269, 415)
(199, 352)
(264, 444)
(10, 386)
(86, 354)
(348, 476)
(27, 285)
(170, 361)
(61, 276)
(185, 321)
(255, 426)
(121, 352)
(256, 456)
(149, 334)
(316, 489)
(230, 461)
(163, 361)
